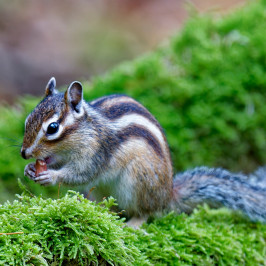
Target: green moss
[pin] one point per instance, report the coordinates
(207, 237)
(68, 230)
(75, 231)
(207, 88)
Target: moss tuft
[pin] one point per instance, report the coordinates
(68, 230)
(75, 231)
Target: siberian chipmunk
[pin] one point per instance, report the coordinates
(116, 145)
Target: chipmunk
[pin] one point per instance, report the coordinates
(116, 145)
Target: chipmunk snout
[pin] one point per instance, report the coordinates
(24, 154)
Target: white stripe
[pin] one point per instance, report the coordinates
(29, 150)
(26, 120)
(115, 101)
(126, 120)
(42, 132)
(70, 119)
(45, 125)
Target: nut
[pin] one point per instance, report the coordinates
(40, 167)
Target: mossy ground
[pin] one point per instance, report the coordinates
(75, 231)
(68, 230)
(207, 88)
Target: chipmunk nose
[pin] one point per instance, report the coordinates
(26, 153)
(23, 154)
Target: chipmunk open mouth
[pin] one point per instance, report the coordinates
(48, 160)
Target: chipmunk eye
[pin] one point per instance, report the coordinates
(52, 128)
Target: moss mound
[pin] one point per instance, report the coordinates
(75, 231)
(207, 237)
(71, 230)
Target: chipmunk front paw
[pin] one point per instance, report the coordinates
(46, 178)
(30, 171)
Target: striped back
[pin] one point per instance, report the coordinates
(130, 120)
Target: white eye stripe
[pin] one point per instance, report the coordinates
(45, 124)
(42, 132)
(55, 135)
(68, 121)
(35, 143)
(26, 120)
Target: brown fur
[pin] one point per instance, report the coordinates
(116, 145)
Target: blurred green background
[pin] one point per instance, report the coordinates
(206, 86)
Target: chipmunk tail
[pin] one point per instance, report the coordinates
(218, 187)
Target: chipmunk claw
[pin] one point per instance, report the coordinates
(30, 171)
(46, 178)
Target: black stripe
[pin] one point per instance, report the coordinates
(62, 116)
(110, 143)
(120, 109)
(140, 132)
(124, 108)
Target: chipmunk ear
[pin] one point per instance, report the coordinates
(74, 95)
(50, 87)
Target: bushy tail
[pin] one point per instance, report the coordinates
(218, 187)
(258, 178)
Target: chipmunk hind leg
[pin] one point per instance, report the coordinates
(136, 222)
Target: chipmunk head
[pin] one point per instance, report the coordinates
(52, 121)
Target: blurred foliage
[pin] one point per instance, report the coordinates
(207, 88)
(75, 231)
